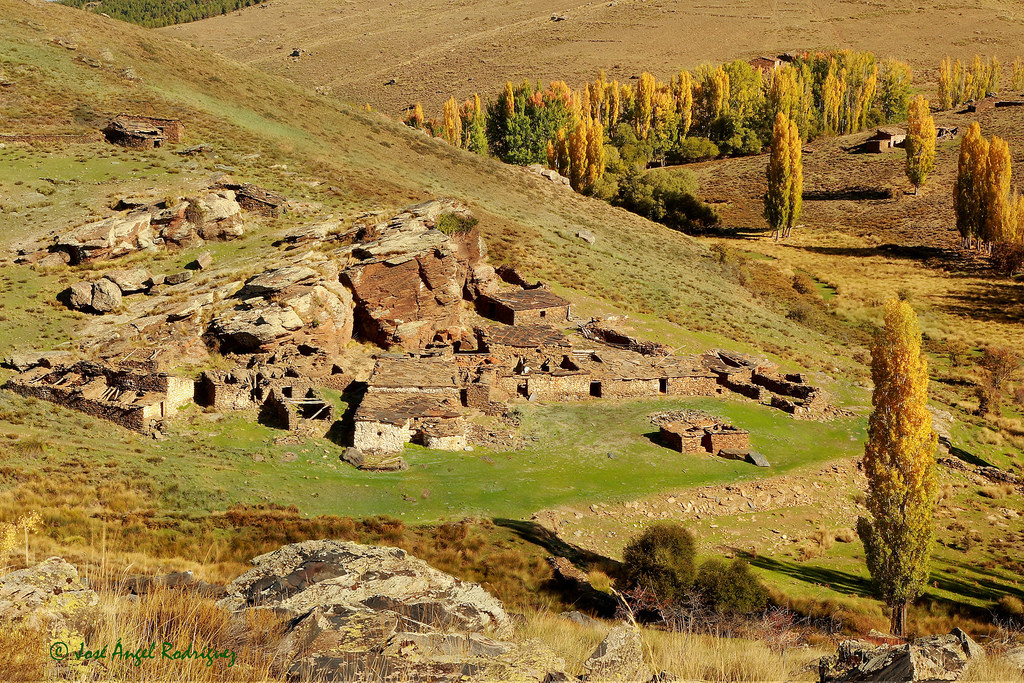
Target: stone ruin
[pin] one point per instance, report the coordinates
(133, 399)
(388, 280)
(696, 432)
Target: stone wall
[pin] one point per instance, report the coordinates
(716, 441)
(747, 389)
(684, 442)
(573, 387)
(779, 385)
(128, 416)
(537, 316)
(629, 388)
(693, 386)
(381, 437)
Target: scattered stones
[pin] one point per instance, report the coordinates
(932, 658)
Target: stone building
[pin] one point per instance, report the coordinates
(142, 132)
(258, 199)
(134, 400)
(885, 139)
(525, 307)
(703, 434)
(297, 408)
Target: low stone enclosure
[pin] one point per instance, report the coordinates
(394, 281)
(697, 432)
(142, 132)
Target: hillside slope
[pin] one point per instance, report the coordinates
(273, 132)
(437, 48)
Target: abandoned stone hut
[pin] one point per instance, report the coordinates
(142, 132)
(984, 104)
(700, 435)
(525, 306)
(298, 408)
(134, 400)
(886, 139)
(765, 64)
(258, 199)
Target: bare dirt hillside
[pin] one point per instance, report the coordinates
(433, 48)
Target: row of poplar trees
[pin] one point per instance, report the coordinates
(959, 83)
(989, 214)
(728, 109)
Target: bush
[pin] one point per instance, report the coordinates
(957, 350)
(802, 312)
(666, 196)
(453, 223)
(1007, 257)
(1011, 606)
(660, 560)
(730, 588)
(693, 149)
(804, 283)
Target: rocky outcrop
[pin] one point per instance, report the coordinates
(619, 657)
(216, 215)
(109, 238)
(932, 658)
(46, 595)
(129, 280)
(280, 301)
(408, 284)
(375, 613)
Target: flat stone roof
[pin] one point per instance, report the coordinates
(528, 299)
(415, 373)
(524, 336)
(397, 408)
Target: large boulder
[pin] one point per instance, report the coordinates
(80, 296)
(106, 296)
(619, 657)
(109, 238)
(376, 613)
(409, 282)
(246, 329)
(932, 658)
(50, 594)
(271, 282)
(129, 280)
(216, 216)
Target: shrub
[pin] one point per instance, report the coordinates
(804, 283)
(1008, 257)
(1011, 606)
(660, 560)
(957, 350)
(453, 223)
(667, 196)
(802, 312)
(730, 588)
(693, 149)
(996, 492)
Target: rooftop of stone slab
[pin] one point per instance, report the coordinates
(420, 373)
(524, 336)
(396, 408)
(529, 299)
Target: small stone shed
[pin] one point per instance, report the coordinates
(386, 421)
(299, 409)
(142, 132)
(702, 434)
(765, 64)
(525, 306)
(886, 139)
(258, 199)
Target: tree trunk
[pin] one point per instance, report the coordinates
(916, 189)
(898, 619)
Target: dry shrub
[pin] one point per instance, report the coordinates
(945, 494)
(996, 491)
(846, 535)
(22, 653)
(804, 283)
(990, 437)
(1011, 606)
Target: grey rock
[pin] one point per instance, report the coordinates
(248, 329)
(179, 278)
(586, 236)
(80, 296)
(34, 359)
(931, 658)
(317, 574)
(756, 458)
(45, 595)
(204, 260)
(619, 657)
(275, 280)
(734, 453)
(106, 296)
(580, 618)
(155, 280)
(129, 280)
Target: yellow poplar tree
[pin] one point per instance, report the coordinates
(578, 157)
(595, 153)
(780, 182)
(996, 186)
(945, 84)
(644, 106)
(796, 173)
(899, 461)
(452, 123)
(614, 104)
(684, 102)
(920, 144)
(1018, 74)
(968, 191)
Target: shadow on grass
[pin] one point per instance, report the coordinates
(580, 594)
(837, 580)
(343, 430)
(854, 193)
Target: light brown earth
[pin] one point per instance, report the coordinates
(436, 48)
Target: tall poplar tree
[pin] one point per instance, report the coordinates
(920, 144)
(996, 184)
(778, 198)
(968, 191)
(945, 84)
(796, 173)
(899, 461)
(644, 106)
(452, 123)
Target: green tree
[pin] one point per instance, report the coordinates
(894, 95)
(660, 560)
(899, 461)
(920, 144)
